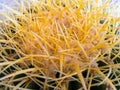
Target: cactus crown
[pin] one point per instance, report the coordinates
(50, 43)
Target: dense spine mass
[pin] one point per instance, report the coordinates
(56, 44)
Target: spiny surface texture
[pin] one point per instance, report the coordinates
(50, 43)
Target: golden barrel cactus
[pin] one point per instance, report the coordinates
(47, 44)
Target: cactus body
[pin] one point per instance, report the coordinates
(51, 44)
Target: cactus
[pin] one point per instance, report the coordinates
(59, 45)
